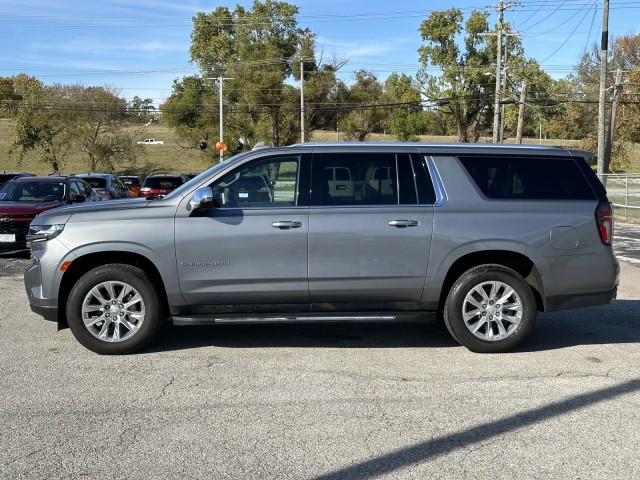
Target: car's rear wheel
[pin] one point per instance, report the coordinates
(114, 309)
(490, 309)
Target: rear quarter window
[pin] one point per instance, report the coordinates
(529, 178)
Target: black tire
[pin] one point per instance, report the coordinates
(476, 316)
(116, 291)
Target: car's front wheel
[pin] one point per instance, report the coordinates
(490, 309)
(114, 309)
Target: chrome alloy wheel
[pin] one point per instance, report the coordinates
(492, 311)
(113, 311)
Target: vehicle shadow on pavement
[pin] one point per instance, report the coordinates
(305, 335)
(613, 324)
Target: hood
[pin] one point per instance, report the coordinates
(26, 208)
(87, 210)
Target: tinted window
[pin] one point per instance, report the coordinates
(529, 178)
(271, 182)
(96, 182)
(163, 182)
(361, 179)
(130, 181)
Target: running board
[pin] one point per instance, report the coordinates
(323, 317)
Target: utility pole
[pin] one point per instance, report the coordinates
(604, 45)
(501, 7)
(220, 80)
(617, 90)
(301, 99)
(496, 104)
(523, 99)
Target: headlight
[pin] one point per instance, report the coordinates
(41, 233)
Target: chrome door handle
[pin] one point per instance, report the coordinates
(286, 225)
(404, 223)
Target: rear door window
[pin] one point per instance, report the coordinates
(361, 179)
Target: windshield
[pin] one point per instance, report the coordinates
(220, 166)
(32, 192)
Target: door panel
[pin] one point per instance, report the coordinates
(370, 248)
(357, 255)
(239, 256)
(252, 248)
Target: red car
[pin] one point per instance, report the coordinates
(21, 199)
(160, 184)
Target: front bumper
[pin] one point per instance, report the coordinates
(47, 308)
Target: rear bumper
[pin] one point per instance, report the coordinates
(567, 302)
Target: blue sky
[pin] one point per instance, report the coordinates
(140, 46)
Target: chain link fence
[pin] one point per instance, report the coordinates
(623, 191)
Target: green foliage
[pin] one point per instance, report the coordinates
(408, 121)
(467, 80)
(42, 123)
(54, 120)
(364, 118)
(462, 81)
(140, 111)
(255, 49)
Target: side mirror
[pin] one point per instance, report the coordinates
(202, 199)
(78, 199)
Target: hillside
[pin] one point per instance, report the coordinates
(172, 157)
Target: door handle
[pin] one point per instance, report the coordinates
(404, 223)
(286, 224)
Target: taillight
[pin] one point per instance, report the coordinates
(604, 221)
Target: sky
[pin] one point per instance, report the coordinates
(139, 47)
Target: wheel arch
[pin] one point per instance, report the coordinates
(518, 262)
(85, 263)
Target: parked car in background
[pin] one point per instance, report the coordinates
(6, 176)
(160, 184)
(191, 175)
(22, 198)
(132, 182)
(151, 141)
(106, 184)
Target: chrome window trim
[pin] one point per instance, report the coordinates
(438, 185)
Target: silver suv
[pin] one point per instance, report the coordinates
(483, 236)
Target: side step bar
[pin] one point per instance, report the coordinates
(320, 317)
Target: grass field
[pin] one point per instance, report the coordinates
(174, 157)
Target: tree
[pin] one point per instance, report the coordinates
(141, 111)
(537, 103)
(99, 128)
(466, 86)
(11, 95)
(255, 48)
(406, 121)
(581, 90)
(462, 81)
(192, 110)
(53, 120)
(363, 117)
(42, 123)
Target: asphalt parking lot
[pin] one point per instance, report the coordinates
(324, 401)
